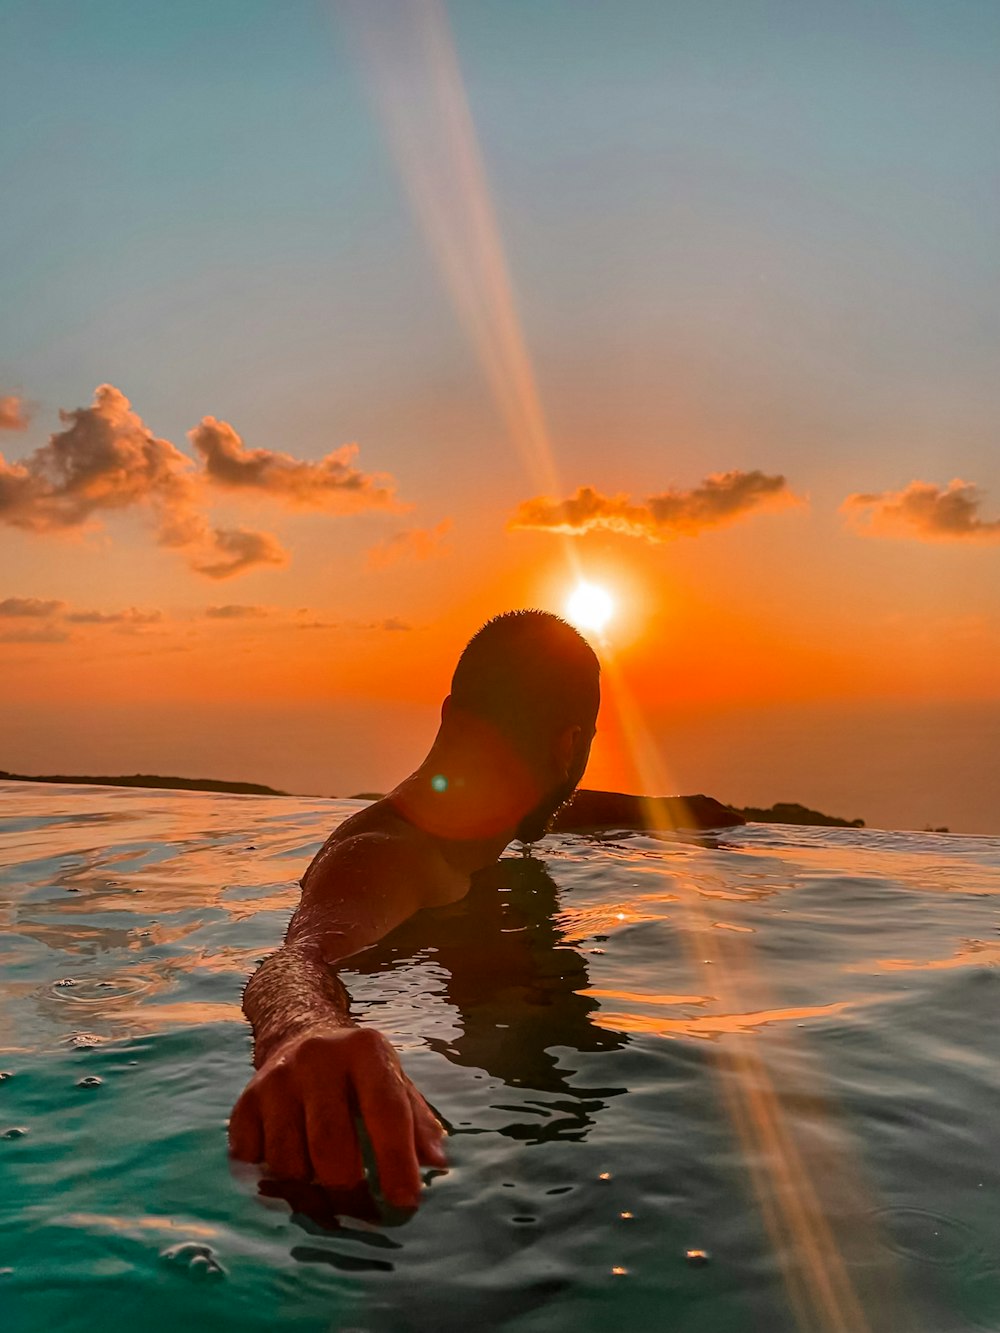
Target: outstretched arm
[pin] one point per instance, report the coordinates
(317, 1071)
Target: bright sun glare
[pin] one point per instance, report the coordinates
(590, 607)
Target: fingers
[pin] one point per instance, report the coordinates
(333, 1142)
(246, 1140)
(285, 1150)
(388, 1117)
(428, 1132)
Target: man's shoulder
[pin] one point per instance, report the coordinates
(377, 846)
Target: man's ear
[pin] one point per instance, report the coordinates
(567, 744)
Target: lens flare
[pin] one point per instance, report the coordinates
(590, 607)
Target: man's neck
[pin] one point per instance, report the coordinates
(469, 798)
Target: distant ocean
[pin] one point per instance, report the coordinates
(715, 1085)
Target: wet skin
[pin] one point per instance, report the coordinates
(322, 1083)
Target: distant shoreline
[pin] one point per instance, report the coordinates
(151, 780)
(782, 812)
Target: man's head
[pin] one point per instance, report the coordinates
(537, 681)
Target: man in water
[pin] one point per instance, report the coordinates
(513, 743)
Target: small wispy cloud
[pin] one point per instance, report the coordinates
(131, 616)
(924, 511)
(236, 611)
(721, 498)
(28, 607)
(411, 544)
(331, 483)
(14, 412)
(239, 549)
(43, 634)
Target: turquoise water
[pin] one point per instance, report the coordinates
(780, 1048)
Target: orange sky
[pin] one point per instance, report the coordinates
(493, 343)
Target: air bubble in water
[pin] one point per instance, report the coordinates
(15, 1132)
(91, 1081)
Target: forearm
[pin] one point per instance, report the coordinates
(291, 992)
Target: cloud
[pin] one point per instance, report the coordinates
(14, 413)
(106, 459)
(239, 549)
(233, 611)
(131, 617)
(924, 511)
(28, 607)
(44, 634)
(393, 623)
(317, 624)
(410, 544)
(721, 498)
(331, 484)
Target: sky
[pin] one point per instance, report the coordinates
(329, 330)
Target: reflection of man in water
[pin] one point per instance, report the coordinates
(519, 987)
(514, 740)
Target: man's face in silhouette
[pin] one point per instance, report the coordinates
(535, 823)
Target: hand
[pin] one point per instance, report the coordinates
(298, 1112)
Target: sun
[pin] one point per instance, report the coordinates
(589, 606)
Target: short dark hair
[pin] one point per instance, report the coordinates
(528, 672)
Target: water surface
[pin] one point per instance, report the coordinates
(779, 1048)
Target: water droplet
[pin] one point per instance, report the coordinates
(15, 1132)
(619, 1270)
(697, 1258)
(91, 1081)
(605, 1175)
(597, 951)
(626, 1216)
(65, 981)
(197, 1260)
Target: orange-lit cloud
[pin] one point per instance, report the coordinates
(28, 607)
(331, 484)
(924, 511)
(721, 498)
(106, 459)
(58, 618)
(410, 544)
(41, 634)
(234, 611)
(131, 617)
(13, 412)
(239, 549)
